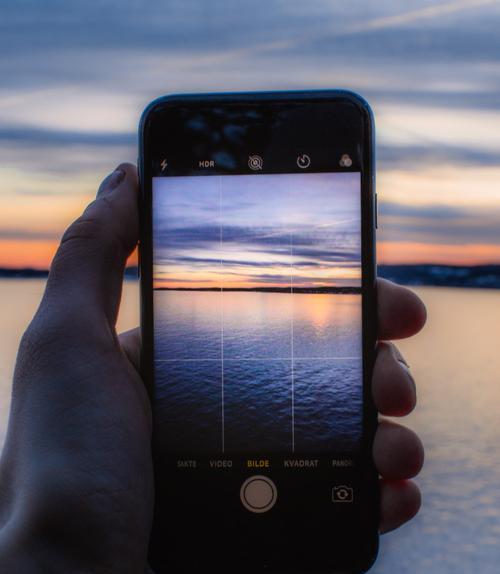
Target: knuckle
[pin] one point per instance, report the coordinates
(92, 233)
(88, 226)
(35, 338)
(33, 347)
(40, 336)
(50, 343)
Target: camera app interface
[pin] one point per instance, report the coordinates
(257, 313)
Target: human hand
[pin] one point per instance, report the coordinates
(76, 477)
(397, 451)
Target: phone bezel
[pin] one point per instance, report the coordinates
(368, 222)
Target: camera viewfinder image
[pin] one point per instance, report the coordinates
(257, 310)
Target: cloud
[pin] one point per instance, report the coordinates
(207, 261)
(453, 94)
(264, 240)
(21, 135)
(415, 157)
(103, 43)
(415, 16)
(75, 81)
(453, 233)
(434, 211)
(28, 234)
(341, 259)
(252, 251)
(439, 224)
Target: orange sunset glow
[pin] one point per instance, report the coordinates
(34, 254)
(421, 253)
(235, 279)
(39, 254)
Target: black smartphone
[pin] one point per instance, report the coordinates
(257, 264)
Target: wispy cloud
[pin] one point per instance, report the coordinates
(74, 83)
(28, 234)
(414, 16)
(440, 223)
(53, 137)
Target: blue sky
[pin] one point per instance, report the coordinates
(76, 76)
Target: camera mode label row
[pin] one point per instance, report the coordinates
(265, 463)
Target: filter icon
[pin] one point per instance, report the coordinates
(345, 160)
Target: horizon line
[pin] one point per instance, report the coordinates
(426, 264)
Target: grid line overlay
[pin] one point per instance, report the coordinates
(222, 314)
(291, 342)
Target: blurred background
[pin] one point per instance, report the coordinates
(75, 77)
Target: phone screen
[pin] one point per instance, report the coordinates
(257, 313)
(257, 262)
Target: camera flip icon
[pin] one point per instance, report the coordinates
(342, 493)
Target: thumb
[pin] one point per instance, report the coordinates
(86, 274)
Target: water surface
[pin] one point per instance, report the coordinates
(258, 372)
(456, 362)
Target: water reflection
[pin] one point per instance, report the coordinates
(273, 356)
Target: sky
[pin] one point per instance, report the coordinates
(75, 77)
(248, 231)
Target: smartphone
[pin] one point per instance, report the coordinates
(258, 316)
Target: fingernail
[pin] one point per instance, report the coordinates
(402, 361)
(399, 357)
(111, 181)
(404, 364)
(406, 368)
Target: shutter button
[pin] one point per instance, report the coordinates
(258, 493)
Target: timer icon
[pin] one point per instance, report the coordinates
(303, 161)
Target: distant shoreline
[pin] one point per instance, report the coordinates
(474, 276)
(22, 273)
(297, 290)
(31, 273)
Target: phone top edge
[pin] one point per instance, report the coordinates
(265, 95)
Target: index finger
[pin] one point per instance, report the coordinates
(401, 313)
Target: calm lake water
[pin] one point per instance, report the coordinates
(253, 372)
(456, 362)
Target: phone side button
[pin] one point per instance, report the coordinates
(258, 493)
(139, 260)
(376, 211)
